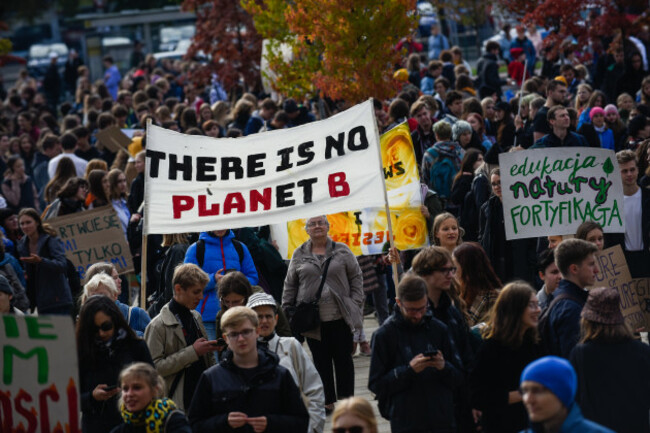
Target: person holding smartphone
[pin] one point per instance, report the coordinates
(177, 339)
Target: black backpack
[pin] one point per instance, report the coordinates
(544, 324)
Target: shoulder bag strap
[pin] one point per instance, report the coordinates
(323, 277)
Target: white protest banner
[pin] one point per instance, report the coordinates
(553, 191)
(40, 386)
(365, 231)
(197, 183)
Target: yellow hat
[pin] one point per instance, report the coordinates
(561, 78)
(401, 75)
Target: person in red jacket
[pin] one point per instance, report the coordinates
(517, 66)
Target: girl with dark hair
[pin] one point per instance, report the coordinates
(10, 228)
(65, 170)
(478, 284)
(71, 198)
(18, 188)
(26, 126)
(511, 343)
(98, 186)
(106, 344)
(28, 152)
(591, 231)
(45, 265)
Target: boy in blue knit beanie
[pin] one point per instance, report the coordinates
(548, 387)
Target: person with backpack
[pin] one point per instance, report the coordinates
(218, 252)
(559, 324)
(441, 161)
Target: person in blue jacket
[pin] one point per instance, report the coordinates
(217, 253)
(548, 389)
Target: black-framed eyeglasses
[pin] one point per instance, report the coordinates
(245, 333)
(353, 429)
(104, 327)
(449, 270)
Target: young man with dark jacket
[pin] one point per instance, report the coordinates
(248, 388)
(414, 365)
(577, 263)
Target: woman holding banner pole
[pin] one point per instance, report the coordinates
(327, 273)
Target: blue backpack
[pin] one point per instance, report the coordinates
(441, 173)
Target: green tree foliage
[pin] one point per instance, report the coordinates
(344, 49)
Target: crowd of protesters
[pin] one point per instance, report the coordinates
(486, 334)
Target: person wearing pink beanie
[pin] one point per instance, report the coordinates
(605, 135)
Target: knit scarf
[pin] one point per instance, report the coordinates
(153, 416)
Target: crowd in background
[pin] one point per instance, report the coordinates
(463, 338)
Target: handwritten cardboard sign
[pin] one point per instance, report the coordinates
(113, 138)
(39, 387)
(613, 272)
(94, 236)
(553, 191)
(642, 289)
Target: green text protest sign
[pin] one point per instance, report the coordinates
(39, 389)
(553, 191)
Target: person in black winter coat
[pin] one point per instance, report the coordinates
(414, 369)
(488, 82)
(463, 181)
(141, 406)
(106, 344)
(43, 257)
(511, 343)
(248, 390)
(619, 399)
(435, 266)
(513, 259)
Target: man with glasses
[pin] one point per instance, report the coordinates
(293, 357)
(413, 369)
(548, 388)
(248, 388)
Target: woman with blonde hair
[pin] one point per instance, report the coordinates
(446, 232)
(143, 406)
(582, 97)
(511, 343)
(354, 415)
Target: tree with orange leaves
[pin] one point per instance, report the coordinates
(344, 49)
(226, 34)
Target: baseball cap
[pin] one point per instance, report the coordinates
(261, 299)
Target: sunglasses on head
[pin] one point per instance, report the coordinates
(353, 429)
(106, 326)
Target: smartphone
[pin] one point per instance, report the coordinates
(110, 388)
(219, 343)
(430, 353)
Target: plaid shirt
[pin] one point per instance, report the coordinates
(481, 307)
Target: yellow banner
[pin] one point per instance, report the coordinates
(365, 231)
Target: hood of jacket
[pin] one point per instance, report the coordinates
(210, 238)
